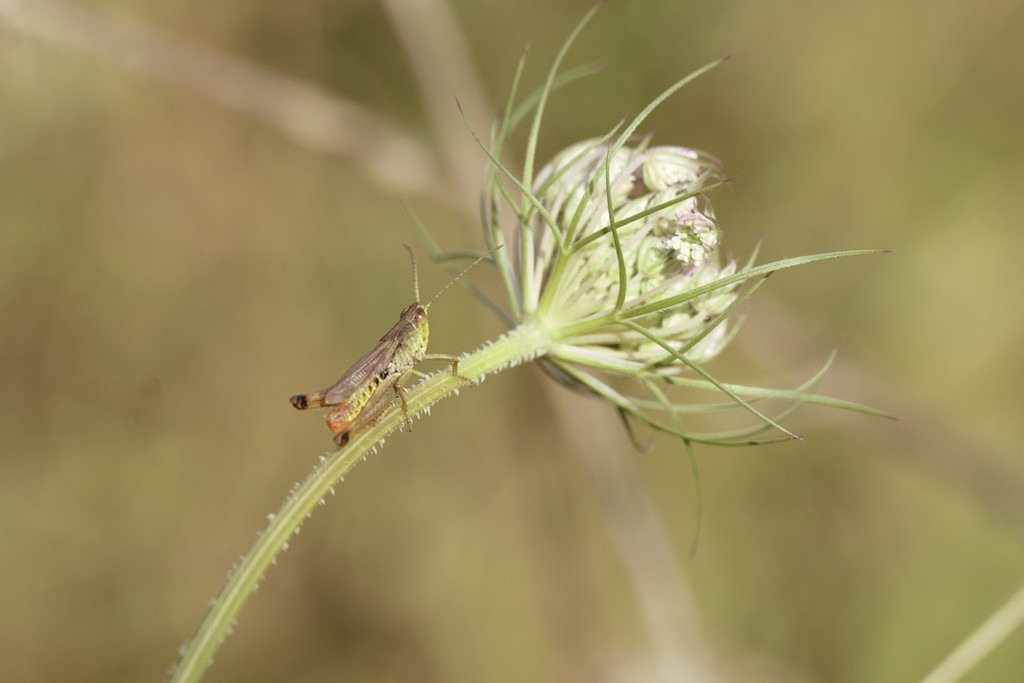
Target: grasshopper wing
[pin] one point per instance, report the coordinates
(366, 373)
(362, 378)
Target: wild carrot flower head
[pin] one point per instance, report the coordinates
(666, 233)
(615, 261)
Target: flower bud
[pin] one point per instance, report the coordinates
(668, 240)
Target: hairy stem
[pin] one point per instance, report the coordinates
(522, 344)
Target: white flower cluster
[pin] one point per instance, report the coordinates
(668, 239)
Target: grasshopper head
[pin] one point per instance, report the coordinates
(415, 313)
(416, 328)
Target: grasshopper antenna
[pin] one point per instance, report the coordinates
(456, 278)
(415, 275)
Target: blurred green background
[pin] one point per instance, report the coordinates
(191, 230)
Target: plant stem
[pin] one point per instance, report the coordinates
(997, 628)
(524, 343)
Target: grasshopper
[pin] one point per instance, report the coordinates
(373, 381)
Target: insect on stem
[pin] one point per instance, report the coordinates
(375, 380)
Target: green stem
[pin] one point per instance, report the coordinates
(982, 642)
(522, 344)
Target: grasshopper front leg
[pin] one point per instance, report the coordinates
(452, 360)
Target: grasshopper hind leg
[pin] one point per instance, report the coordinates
(346, 422)
(342, 427)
